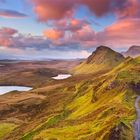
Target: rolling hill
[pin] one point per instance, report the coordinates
(33, 73)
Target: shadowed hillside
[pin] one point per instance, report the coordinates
(133, 51)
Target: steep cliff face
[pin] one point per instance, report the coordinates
(102, 59)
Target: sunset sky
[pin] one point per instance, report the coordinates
(65, 29)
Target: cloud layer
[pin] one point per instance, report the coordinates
(122, 33)
(72, 35)
(65, 27)
(5, 13)
(58, 9)
(6, 36)
(53, 34)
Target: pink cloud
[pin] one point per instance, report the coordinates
(76, 24)
(6, 35)
(131, 8)
(53, 34)
(122, 33)
(63, 28)
(53, 9)
(5, 41)
(11, 14)
(85, 34)
(59, 9)
(7, 31)
(71, 24)
(98, 7)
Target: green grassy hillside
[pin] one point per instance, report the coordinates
(103, 59)
(88, 107)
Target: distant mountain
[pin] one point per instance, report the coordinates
(103, 58)
(133, 51)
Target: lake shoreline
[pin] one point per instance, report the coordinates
(61, 76)
(7, 89)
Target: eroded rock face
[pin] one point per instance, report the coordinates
(121, 132)
(115, 134)
(135, 87)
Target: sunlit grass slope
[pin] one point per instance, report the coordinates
(89, 107)
(100, 109)
(6, 128)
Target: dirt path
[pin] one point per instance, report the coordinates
(137, 122)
